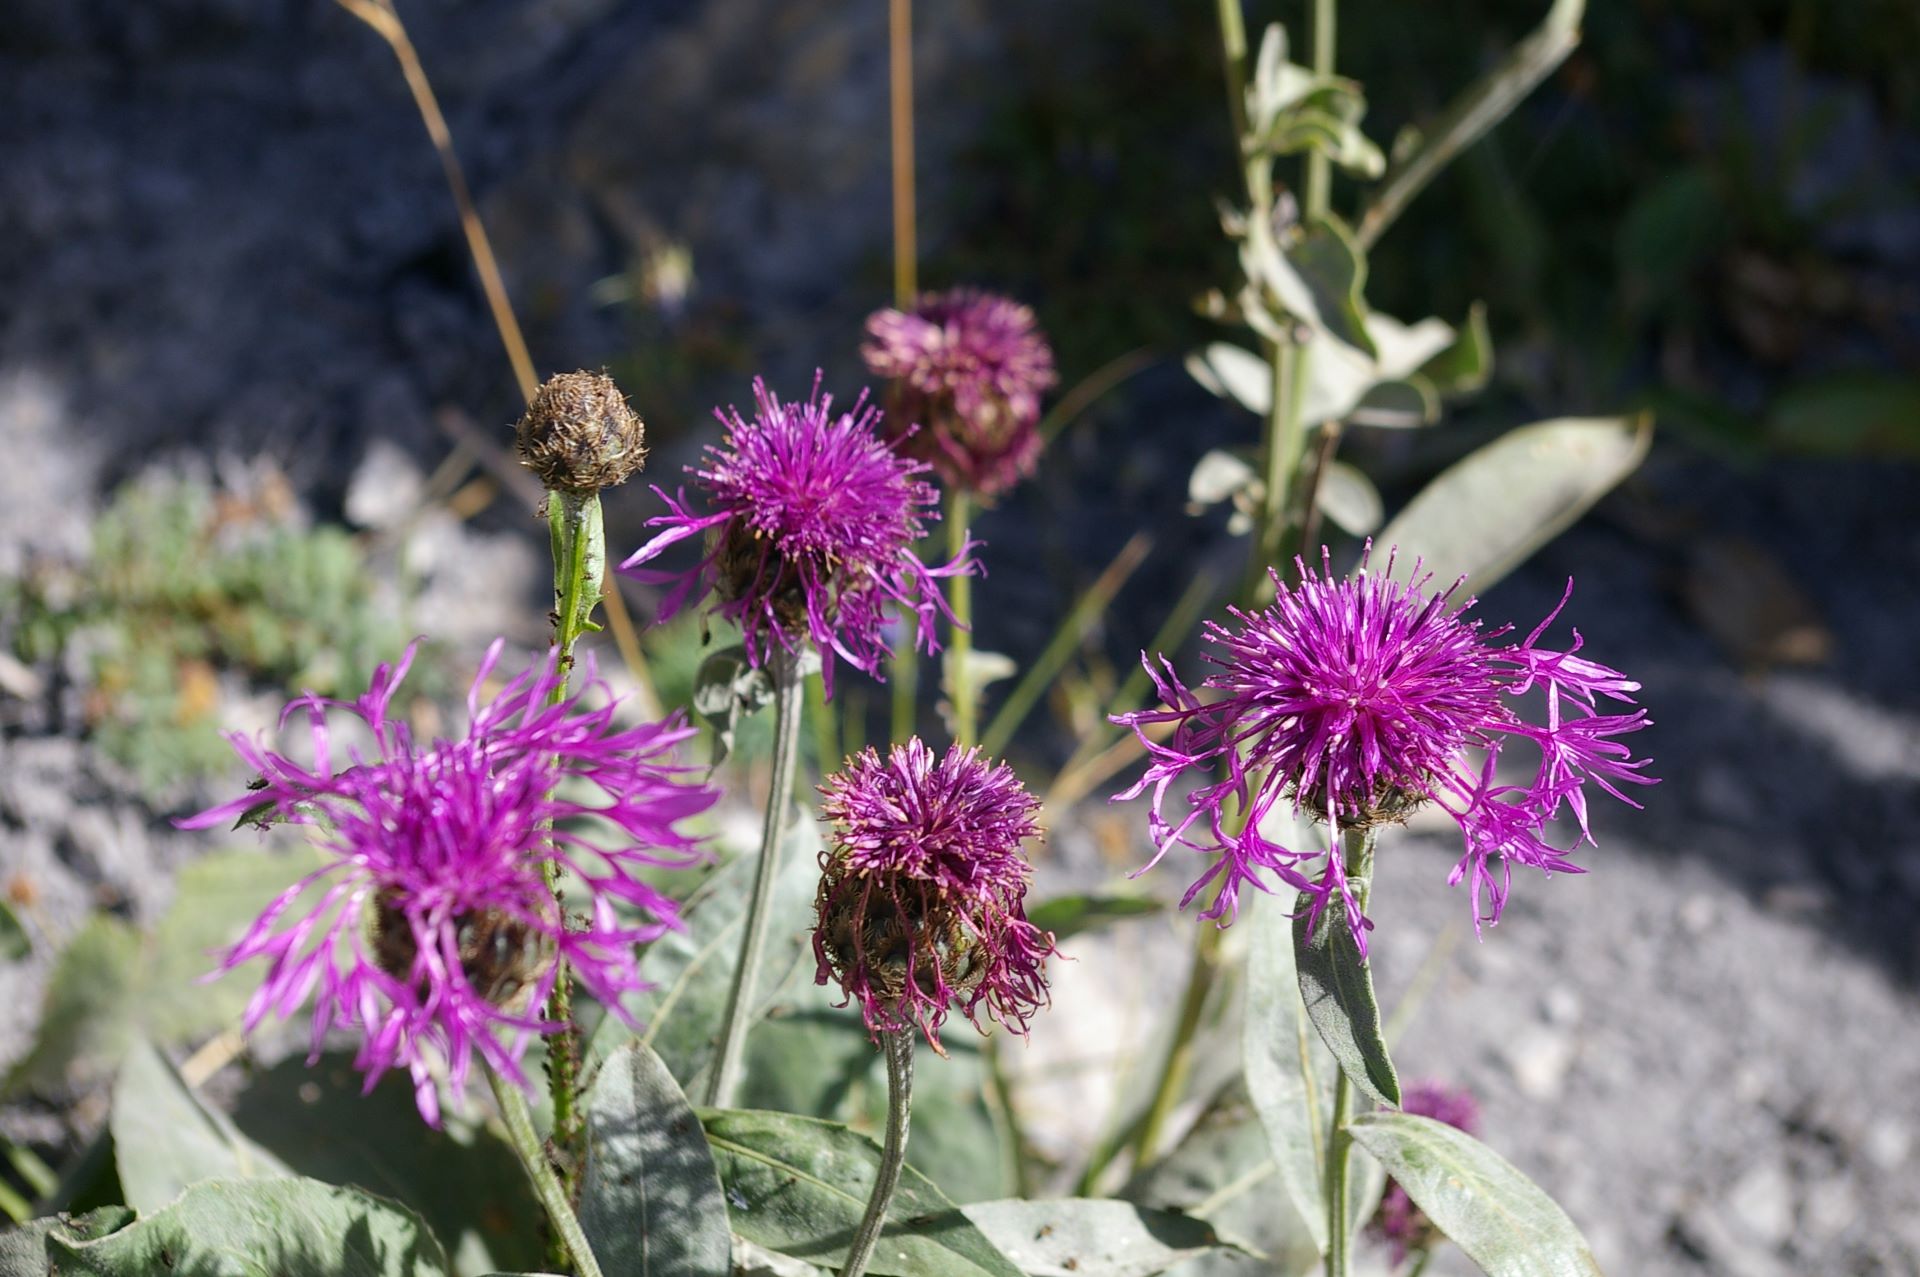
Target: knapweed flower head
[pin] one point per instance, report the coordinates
(810, 525)
(922, 888)
(968, 368)
(430, 927)
(1354, 700)
(1397, 1221)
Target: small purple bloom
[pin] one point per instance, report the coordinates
(1355, 700)
(431, 928)
(1397, 1220)
(809, 535)
(921, 893)
(968, 368)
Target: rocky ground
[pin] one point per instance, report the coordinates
(222, 234)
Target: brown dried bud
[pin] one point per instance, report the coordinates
(579, 435)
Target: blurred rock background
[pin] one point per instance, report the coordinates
(231, 271)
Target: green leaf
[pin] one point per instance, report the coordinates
(799, 1186)
(1277, 1053)
(14, 942)
(1467, 118)
(1070, 915)
(1335, 270)
(23, 1250)
(262, 1228)
(1464, 366)
(650, 1199)
(164, 1139)
(1337, 988)
(728, 690)
(1231, 372)
(1477, 1198)
(1483, 516)
(1290, 108)
(465, 1180)
(1349, 499)
(1081, 1237)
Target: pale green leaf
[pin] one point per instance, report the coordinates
(164, 1139)
(1485, 514)
(1481, 1201)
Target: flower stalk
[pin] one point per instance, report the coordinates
(547, 1187)
(898, 1048)
(724, 1079)
(579, 543)
(1357, 854)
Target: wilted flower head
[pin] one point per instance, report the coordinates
(1397, 1220)
(1356, 700)
(810, 530)
(969, 368)
(921, 890)
(580, 435)
(431, 928)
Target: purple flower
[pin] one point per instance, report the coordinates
(1357, 699)
(431, 928)
(968, 367)
(1397, 1220)
(810, 532)
(921, 892)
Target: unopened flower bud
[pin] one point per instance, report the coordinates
(579, 435)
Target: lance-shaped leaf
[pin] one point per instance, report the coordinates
(1337, 988)
(164, 1139)
(1277, 1053)
(261, 1228)
(1481, 106)
(1081, 1237)
(650, 1200)
(1483, 516)
(1070, 915)
(799, 1186)
(1498, 1216)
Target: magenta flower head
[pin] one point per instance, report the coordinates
(968, 368)
(810, 530)
(922, 889)
(431, 929)
(1397, 1221)
(1355, 700)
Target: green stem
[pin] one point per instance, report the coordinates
(1319, 167)
(1420, 1262)
(1357, 854)
(724, 1078)
(893, 1153)
(905, 682)
(959, 654)
(579, 543)
(539, 1167)
(1339, 1260)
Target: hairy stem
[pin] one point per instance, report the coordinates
(724, 1078)
(579, 563)
(893, 1153)
(966, 708)
(539, 1167)
(1357, 853)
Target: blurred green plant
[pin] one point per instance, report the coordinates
(187, 581)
